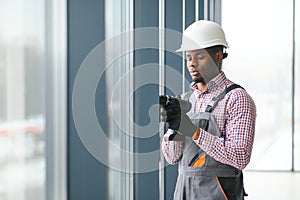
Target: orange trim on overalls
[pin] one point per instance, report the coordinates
(201, 161)
(221, 188)
(196, 134)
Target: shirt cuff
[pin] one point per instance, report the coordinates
(167, 134)
(173, 136)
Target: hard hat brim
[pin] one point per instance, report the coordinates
(182, 49)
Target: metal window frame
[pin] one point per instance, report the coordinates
(295, 80)
(56, 100)
(212, 10)
(126, 16)
(162, 79)
(293, 85)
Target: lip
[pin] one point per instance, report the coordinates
(194, 72)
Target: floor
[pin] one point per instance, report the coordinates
(272, 185)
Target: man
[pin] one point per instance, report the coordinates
(213, 141)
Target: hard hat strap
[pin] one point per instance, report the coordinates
(225, 54)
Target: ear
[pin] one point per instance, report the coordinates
(219, 56)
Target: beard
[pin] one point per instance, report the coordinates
(199, 80)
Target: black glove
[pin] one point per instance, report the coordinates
(174, 114)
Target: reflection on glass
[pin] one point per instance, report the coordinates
(22, 161)
(260, 59)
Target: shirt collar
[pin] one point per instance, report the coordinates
(218, 81)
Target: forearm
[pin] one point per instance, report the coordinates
(235, 146)
(234, 153)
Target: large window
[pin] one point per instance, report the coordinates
(260, 36)
(32, 100)
(22, 97)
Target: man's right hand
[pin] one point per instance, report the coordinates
(176, 119)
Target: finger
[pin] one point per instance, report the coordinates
(162, 100)
(163, 115)
(173, 126)
(173, 118)
(170, 114)
(175, 110)
(163, 118)
(163, 111)
(173, 114)
(173, 106)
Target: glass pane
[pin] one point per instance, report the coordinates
(22, 158)
(297, 89)
(260, 58)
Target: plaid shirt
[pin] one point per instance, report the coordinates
(237, 125)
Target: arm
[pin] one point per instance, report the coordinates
(236, 148)
(172, 150)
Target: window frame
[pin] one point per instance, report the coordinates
(56, 100)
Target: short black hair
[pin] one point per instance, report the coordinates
(215, 49)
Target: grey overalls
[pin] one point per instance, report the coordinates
(210, 180)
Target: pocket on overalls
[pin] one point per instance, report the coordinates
(198, 160)
(221, 188)
(204, 188)
(232, 187)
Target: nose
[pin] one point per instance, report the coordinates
(191, 63)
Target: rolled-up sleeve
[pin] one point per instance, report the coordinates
(236, 147)
(172, 150)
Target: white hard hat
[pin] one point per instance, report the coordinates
(202, 34)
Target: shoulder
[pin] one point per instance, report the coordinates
(240, 98)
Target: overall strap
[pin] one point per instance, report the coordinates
(212, 104)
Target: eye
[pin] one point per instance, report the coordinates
(188, 58)
(200, 57)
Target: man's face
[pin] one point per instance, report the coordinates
(201, 66)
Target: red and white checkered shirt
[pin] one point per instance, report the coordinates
(237, 125)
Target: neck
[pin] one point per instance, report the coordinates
(201, 86)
